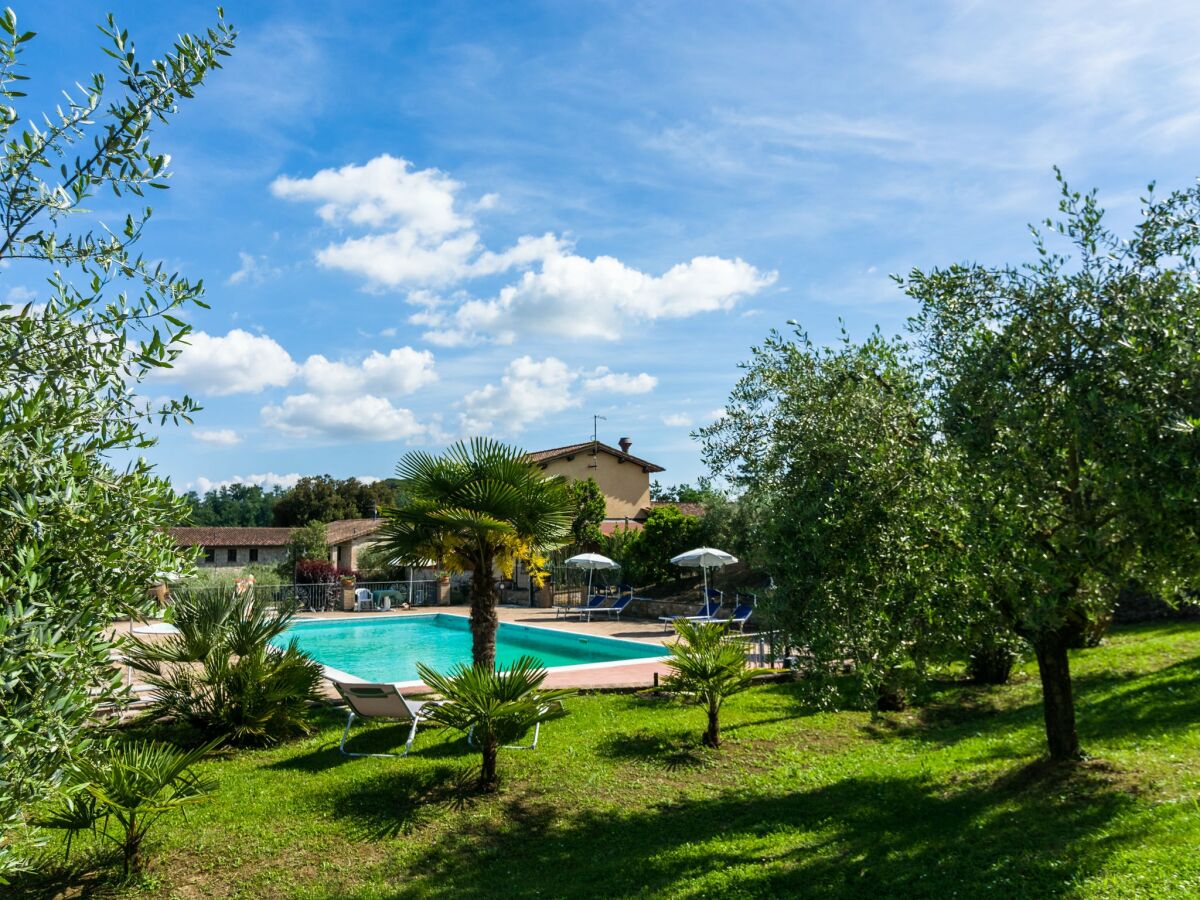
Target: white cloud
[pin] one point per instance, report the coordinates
(402, 371)
(621, 382)
(416, 235)
(237, 363)
(267, 481)
(401, 257)
(363, 418)
(574, 296)
(677, 420)
(383, 192)
(529, 391)
(220, 437)
(19, 295)
(717, 414)
(254, 269)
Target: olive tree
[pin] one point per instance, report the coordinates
(835, 449)
(1070, 386)
(82, 534)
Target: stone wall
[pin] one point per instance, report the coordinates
(267, 556)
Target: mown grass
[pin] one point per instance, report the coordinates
(620, 799)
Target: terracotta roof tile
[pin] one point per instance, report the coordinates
(231, 536)
(544, 456)
(238, 536)
(349, 529)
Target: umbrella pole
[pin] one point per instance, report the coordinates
(704, 569)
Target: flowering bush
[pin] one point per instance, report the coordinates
(315, 571)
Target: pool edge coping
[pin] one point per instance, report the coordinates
(338, 675)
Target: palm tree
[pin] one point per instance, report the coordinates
(221, 676)
(493, 708)
(706, 669)
(480, 504)
(135, 783)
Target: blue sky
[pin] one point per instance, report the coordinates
(419, 221)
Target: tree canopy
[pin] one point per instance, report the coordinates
(84, 533)
(322, 498)
(235, 504)
(590, 509)
(835, 448)
(1071, 387)
(1034, 451)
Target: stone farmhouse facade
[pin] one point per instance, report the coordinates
(623, 478)
(234, 547)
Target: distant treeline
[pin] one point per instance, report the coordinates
(314, 498)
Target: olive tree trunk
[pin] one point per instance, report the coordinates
(483, 614)
(1058, 702)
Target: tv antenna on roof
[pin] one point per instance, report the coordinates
(595, 439)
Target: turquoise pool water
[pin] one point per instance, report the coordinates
(388, 649)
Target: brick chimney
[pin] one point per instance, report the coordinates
(625, 444)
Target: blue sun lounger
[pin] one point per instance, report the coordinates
(739, 617)
(706, 613)
(596, 602)
(615, 610)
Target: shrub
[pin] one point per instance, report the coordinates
(222, 677)
(376, 564)
(84, 514)
(707, 669)
(306, 543)
(667, 533)
(494, 708)
(315, 571)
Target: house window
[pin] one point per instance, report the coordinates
(210, 554)
(231, 554)
(253, 554)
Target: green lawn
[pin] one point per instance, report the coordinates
(945, 801)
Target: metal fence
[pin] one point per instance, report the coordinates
(326, 596)
(417, 593)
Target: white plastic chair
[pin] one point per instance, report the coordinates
(364, 601)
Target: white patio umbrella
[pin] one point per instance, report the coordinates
(704, 558)
(591, 562)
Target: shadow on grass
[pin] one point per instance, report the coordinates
(1035, 832)
(1165, 700)
(92, 874)
(378, 737)
(1108, 705)
(671, 750)
(392, 802)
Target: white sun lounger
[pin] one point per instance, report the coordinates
(380, 701)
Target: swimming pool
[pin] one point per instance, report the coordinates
(388, 649)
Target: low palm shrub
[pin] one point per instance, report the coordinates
(707, 669)
(221, 676)
(128, 789)
(494, 708)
